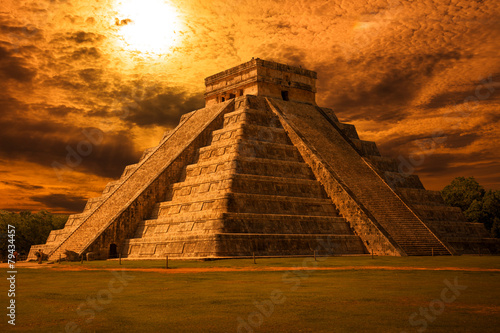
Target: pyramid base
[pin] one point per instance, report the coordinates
(243, 245)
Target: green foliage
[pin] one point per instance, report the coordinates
(462, 192)
(478, 205)
(31, 228)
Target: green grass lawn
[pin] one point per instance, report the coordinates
(314, 301)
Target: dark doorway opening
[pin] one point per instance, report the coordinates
(113, 251)
(222, 99)
(231, 96)
(284, 95)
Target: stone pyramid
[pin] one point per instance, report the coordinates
(262, 169)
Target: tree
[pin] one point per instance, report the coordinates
(30, 228)
(477, 205)
(462, 192)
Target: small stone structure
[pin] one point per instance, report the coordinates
(262, 169)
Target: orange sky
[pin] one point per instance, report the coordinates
(401, 71)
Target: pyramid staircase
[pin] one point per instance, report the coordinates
(382, 209)
(248, 192)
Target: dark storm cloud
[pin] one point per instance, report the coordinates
(164, 109)
(426, 143)
(446, 99)
(85, 53)
(486, 89)
(22, 185)
(400, 144)
(289, 55)
(26, 31)
(47, 141)
(442, 164)
(68, 202)
(14, 67)
(392, 83)
(60, 110)
(460, 140)
(154, 108)
(90, 75)
(81, 37)
(65, 82)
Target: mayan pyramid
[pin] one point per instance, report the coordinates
(262, 169)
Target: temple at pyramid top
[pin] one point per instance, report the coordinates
(262, 78)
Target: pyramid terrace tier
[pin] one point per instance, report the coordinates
(251, 203)
(252, 132)
(230, 245)
(246, 115)
(251, 166)
(251, 148)
(215, 222)
(222, 182)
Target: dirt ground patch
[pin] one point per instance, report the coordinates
(56, 267)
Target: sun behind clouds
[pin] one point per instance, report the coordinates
(147, 26)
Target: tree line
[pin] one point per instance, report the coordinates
(31, 228)
(477, 204)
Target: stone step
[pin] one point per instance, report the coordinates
(246, 223)
(251, 148)
(422, 196)
(237, 244)
(251, 165)
(214, 202)
(383, 164)
(252, 116)
(270, 204)
(250, 132)
(366, 148)
(399, 181)
(250, 203)
(290, 224)
(459, 228)
(348, 129)
(439, 213)
(209, 215)
(242, 183)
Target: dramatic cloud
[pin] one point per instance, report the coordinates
(15, 68)
(22, 185)
(67, 202)
(164, 109)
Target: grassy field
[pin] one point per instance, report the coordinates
(350, 300)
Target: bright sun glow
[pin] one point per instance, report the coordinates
(147, 26)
